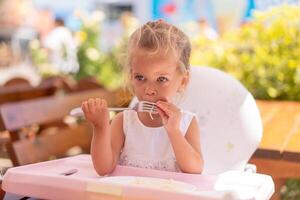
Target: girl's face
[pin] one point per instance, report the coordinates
(156, 78)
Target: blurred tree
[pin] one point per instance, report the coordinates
(291, 191)
(263, 54)
(93, 61)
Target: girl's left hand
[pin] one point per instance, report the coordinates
(170, 115)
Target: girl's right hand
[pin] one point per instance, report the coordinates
(96, 112)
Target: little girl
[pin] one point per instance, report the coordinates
(158, 69)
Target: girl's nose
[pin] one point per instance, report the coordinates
(150, 90)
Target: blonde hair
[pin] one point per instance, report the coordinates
(159, 38)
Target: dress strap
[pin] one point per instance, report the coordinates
(186, 120)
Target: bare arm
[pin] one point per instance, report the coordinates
(107, 140)
(106, 146)
(187, 149)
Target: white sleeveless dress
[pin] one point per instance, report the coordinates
(149, 147)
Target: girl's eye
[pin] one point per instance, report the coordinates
(139, 77)
(162, 79)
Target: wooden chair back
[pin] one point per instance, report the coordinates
(20, 92)
(43, 111)
(51, 146)
(17, 81)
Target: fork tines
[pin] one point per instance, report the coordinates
(146, 106)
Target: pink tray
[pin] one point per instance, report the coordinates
(44, 180)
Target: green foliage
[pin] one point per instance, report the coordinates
(93, 61)
(105, 66)
(291, 191)
(263, 54)
(40, 59)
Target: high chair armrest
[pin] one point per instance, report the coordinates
(250, 168)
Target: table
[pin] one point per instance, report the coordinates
(281, 137)
(44, 180)
(279, 152)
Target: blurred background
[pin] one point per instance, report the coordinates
(78, 45)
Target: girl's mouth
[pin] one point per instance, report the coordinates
(162, 99)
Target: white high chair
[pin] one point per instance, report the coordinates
(229, 119)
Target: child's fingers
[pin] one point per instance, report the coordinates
(98, 103)
(84, 107)
(103, 103)
(163, 116)
(91, 104)
(164, 106)
(162, 113)
(168, 107)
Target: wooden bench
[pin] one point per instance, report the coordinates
(20, 92)
(19, 89)
(47, 111)
(279, 152)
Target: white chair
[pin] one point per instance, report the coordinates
(229, 119)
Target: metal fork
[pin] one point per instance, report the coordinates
(141, 106)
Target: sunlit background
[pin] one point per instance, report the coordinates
(235, 35)
(256, 41)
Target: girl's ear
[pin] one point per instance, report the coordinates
(184, 81)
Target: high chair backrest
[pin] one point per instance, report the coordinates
(229, 119)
